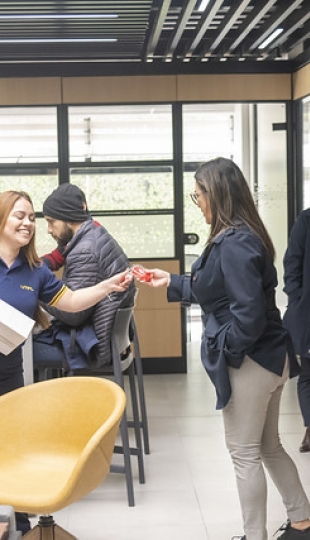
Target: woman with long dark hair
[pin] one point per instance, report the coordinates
(245, 349)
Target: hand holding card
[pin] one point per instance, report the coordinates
(141, 274)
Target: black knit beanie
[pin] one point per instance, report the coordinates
(66, 203)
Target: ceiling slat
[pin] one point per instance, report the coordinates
(152, 30)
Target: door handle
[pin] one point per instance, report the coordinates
(190, 238)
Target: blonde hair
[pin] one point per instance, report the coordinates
(7, 201)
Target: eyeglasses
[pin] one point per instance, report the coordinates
(195, 197)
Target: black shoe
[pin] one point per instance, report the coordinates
(305, 445)
(290, 533)
(238, 537)
(22, 522)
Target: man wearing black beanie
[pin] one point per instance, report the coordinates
(90, 254)
(66, 203)
(71, 193)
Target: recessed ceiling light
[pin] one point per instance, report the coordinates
(203, 5)
(59, 40)
(271, 38)
(61, 16)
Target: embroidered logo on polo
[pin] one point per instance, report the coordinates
(26, 288)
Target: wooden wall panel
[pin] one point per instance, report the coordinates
(119, 89)
(159, 333)
(233, 87)
(139, 89)
(30, 91)
(158, 321)
(150, 298)
(301, 82)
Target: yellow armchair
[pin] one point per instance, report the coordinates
(56, 444)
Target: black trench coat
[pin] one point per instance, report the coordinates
(297, 284)
(234, 283)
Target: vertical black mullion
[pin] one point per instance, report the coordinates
(177, 132)
(178, 181)
(63, 143)
(255, 152)
(291, 165)
(299, 172)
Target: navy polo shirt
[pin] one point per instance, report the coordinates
(22, 286)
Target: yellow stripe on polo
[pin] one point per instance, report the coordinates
(57, 296)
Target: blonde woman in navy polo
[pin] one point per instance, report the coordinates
(24, 280)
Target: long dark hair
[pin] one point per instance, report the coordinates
(231, 201)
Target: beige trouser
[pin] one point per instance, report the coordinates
(251, 431)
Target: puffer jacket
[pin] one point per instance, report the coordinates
(92, 256)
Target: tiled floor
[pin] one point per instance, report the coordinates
(190, 491)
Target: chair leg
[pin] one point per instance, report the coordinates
(125, 448)
(136, 423)
(136, 451)
(126, 468)
(46, 529)
(144, 421)
(142, 402)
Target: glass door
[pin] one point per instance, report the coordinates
(254, 136)
(209, 131)
(269, 179)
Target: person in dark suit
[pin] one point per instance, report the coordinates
(297, 316)
(245, 349)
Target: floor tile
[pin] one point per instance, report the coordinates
(190, 491)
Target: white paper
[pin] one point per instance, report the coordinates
(15, 327)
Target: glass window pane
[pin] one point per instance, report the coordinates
(271, 188)
(130, 188)
(208, 131)
(142, 237)
(39, 184)
(194, 221)
(306, 152)
(212, 130)
(28, 135)
(120, 133)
